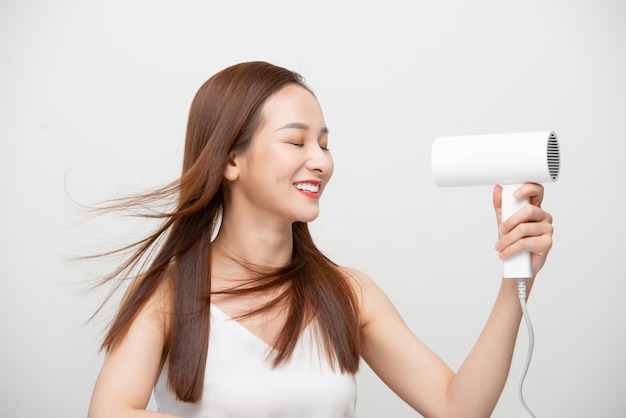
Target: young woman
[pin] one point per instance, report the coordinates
(238, 314)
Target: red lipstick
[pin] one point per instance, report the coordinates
(309, 188)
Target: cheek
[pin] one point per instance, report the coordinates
(331, 167)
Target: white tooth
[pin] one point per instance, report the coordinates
(314, 188)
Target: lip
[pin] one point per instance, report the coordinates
(311, 181)
(313, 195)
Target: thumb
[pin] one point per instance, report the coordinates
(497, 202)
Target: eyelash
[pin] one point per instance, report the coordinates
(297, 144)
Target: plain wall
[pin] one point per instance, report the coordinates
(93, 103)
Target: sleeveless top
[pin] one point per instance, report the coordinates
(240, 381)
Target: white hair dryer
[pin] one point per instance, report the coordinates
(506, 159)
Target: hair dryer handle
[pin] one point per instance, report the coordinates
(519, 265)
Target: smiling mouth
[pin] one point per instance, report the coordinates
(307, 187)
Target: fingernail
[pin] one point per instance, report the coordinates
(503, 229)
(498, 246)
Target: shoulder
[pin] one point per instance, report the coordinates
(371, 298)
(358, 279)
(157, 310)
(161, 304)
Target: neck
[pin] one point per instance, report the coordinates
(248, 240)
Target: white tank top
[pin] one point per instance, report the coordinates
(240, 381)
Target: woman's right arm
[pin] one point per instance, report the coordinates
(131, 368)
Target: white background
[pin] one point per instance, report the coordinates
(93, 102)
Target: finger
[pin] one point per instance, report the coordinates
(539, 246)
(497, 202)
(532, 191)
(524, 231)
(528, 213)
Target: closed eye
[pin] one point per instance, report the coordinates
(324, 147)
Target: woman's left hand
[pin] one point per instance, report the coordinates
(530, 228)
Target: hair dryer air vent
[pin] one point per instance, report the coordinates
(554, 158)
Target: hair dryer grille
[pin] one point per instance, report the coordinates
(554, 159)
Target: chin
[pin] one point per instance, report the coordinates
(308, 218)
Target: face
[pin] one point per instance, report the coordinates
(283, 172)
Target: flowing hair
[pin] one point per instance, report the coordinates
(224, 115)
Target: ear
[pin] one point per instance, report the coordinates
(231, 172)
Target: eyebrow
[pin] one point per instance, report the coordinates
(301, 126)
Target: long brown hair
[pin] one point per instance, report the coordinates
(223, 117)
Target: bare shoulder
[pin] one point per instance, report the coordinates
(372, 299)
(357, 277)
(161, 304)
(158, 308)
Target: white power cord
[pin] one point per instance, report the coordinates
(521, 291)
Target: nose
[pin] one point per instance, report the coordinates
(319, 160)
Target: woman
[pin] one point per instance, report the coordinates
(239, 314)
